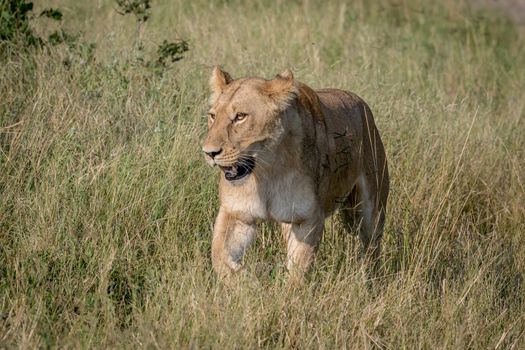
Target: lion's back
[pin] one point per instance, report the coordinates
(342, 107)
(344, 113)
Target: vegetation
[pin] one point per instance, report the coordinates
(106, 203)
(15, 26)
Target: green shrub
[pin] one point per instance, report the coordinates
(15, 21)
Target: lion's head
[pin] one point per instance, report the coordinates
(245, 119)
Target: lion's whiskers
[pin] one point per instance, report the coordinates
(244, 161)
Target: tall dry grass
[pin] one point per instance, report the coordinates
(106, 205)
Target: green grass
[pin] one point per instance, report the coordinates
(107, 205)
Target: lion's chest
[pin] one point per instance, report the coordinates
(287, 198)
(291, 198)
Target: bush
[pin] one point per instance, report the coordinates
(15, 23)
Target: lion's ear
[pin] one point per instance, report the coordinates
(282, 88)
(286, 74)
(219, 79)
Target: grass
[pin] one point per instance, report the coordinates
(107, 206)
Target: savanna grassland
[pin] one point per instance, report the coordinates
(107, 205)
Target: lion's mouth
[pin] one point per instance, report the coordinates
(239, 170)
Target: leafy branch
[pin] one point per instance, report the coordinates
(167, 52)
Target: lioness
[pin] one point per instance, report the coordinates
(293, 155)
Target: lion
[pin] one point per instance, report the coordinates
(292, 155)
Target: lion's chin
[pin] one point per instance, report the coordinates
(239, 170)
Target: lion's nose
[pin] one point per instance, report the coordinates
(212, 152)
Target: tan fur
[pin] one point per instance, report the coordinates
(315, 152)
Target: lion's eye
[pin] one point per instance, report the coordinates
(240, 117)
(211, 116)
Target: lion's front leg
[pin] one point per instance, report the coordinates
(302, 240)
(231, 238)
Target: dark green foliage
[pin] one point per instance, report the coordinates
(137, 7)
(16, 16)
(167, 52)
(14, 23)
(15, 20)
(52, 13)
(171, 52)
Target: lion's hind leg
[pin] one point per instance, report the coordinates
(364, 211)
(349, 212)
(372, 216)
